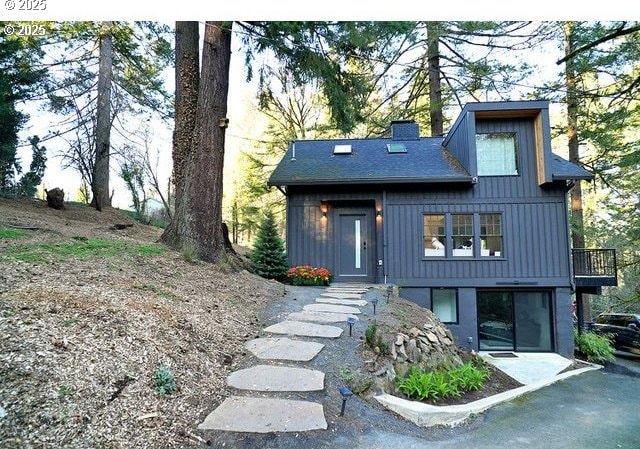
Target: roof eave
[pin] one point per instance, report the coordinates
(586, 177)
(355, 181)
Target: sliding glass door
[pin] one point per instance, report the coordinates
(515, 320)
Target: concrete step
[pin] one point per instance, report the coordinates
(265, 415)
(343, 302)
(276, 378)
(320, 317)
(280, 348)
(331, 308)
(304, 329)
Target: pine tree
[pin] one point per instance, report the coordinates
(268, 256)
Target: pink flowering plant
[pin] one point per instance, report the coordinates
(308, 275)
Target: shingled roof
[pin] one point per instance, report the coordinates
(425, 161)
(565, 170)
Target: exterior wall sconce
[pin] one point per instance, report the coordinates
(324, 208)
(324, 214)
(378, 214)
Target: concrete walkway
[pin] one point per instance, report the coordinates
(274, 414)
(528, 367)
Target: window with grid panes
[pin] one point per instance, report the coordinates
(491, 235)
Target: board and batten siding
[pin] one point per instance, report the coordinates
(534, 222)
(459, 140)
(310, 238)
(535, 248)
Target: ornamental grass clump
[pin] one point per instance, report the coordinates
(308, 275)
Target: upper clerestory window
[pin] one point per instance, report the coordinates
(497, 154)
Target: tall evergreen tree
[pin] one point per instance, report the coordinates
(21, 77)
(268, 257)
(104, 72)
(308, 50)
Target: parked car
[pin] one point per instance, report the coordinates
(624, 327)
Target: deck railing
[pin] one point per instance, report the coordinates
(595, 263)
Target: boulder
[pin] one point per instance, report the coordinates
(432, 338)
(402, 353)
(414, 332)
(413, 352)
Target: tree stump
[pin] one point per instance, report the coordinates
(55, 198)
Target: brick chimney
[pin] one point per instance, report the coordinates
(405, 130)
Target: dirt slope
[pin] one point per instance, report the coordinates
(82, 336)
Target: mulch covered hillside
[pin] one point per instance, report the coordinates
(89, 313)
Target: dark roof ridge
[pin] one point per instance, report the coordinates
(365, 139)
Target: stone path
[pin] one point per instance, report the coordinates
(304, 329)
(342, 295)
(276, 378)
(332, 308)
(321, 317)
(273, 414)
(344, 302)
(265, 415)
(281, 348)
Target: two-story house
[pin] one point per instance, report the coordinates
(473, 225)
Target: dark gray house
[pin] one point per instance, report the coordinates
(473, 225)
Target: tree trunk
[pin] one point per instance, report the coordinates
(187, 74)
(198, 217)
(577, 220)
(100, 185)
(435, 89)
(577, 229)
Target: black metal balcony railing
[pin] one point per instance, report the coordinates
(595, 267)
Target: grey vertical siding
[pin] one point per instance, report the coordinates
(534, 245)
(563, 318)
(467, 319)
(311, 239)
(534, 222)
(458, 141)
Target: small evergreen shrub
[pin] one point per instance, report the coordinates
(443, 383)
(373, 340)
(164, 381)
(357, 380)
(370, 334)
(308, 275)
(596, 348)
(268, 257)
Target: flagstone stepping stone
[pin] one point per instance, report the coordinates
(276, 378)
(332, 308)
(341, 295)
(281, 348)
(321, 317)
(265, 415)
(344, 302)
(346, 290)
(303, 329)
